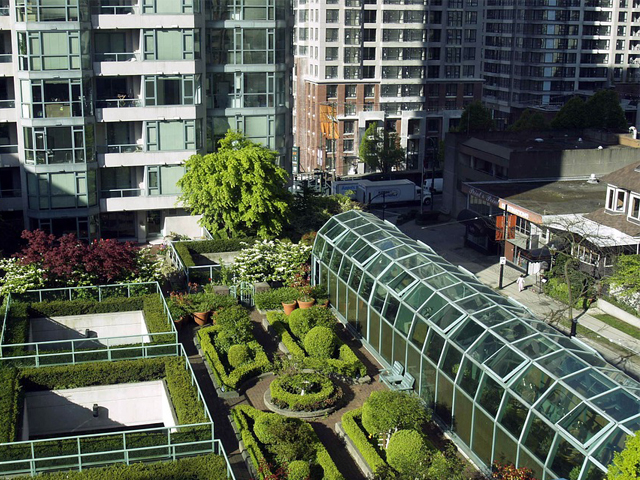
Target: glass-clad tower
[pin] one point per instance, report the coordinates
(510, 387)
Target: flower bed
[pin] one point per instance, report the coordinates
(306, 392)
(272, 440)
(343, 361)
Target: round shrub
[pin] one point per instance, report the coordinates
(407, 452)
(303, 320)
(386, 410)
(238, 355)
(319, 392)
(299, 470)
(320, 342)
(288, 439)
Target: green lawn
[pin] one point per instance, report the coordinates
(619, 325)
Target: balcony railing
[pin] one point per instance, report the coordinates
(7, 103)
(115, 9)
(10, 193)
(6, 58)
(123, 148)
(118, 103)
(8, 149)
(121, 192)
(117, 57)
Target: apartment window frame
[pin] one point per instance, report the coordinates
(617, 199)
(189, 86)
(40, 145)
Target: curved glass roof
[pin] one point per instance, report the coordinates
(559, 407)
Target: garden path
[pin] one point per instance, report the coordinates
(253, 395)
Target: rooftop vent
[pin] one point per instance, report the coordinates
(593, 179)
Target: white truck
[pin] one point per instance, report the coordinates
(387, 191)
(344, 186)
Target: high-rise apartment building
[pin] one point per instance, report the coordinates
(410, 66)
(102, 101)
(541, 53)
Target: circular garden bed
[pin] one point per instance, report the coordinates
(303, 395)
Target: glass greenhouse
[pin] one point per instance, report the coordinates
(510, 387)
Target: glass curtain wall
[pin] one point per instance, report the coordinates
(510, 387)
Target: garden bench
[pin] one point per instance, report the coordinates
(407, 382)
(393, 375)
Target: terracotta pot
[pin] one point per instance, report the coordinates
(201, 317)
(179, 323)
(289, 307)
(304, 305)
(324, 304)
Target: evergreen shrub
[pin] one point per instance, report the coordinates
(320, 342)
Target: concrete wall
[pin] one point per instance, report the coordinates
(70, 412)
(100, 325)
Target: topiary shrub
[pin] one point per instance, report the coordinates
(238, 355)
(303, 320)
(320, 342)
(298, 470)
(385, 410)
(407, 452)
(319, 392)
(287, 438)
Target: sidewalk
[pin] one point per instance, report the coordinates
(448, 241)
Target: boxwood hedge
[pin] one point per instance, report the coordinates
(10, 403)
(206, 467)
(186, 249)
(346, 364)
(272, 299)
(223, 372)
(352, 426)
(245, 416)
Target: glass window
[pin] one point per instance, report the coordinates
(567, 461)
(532, 384)
(514, 416)
(539, 438)
(584, 423)
(467, 334)
(434, 347)
(485, 348)
(419, 333)
(451, 363)
(505, 362)
(490, 394)
(470, 377)
(618, 404)
(462, 417)
(418, 295)
(557, 403)
(482, 436)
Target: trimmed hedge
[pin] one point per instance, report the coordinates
(320, 342)
(301, 321)
(272, 299)
(59, 308)
(186, 249)
(206, 467)
(10, 404)
(17, 329)
(156, 319)
(351, 424)
(282, 397)
(347, 363)
(238, 355)
(406, 451)
(245, 416)
(224, 375)
(385, 410)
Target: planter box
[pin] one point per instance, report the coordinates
(354, 452)
(221, 390)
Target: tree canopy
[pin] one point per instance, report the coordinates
(529, 121)
(626, 464)
(239, 190)
(571, 115)
(601, 110)
(475, 118)
(381, 152)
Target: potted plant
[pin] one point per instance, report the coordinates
(179, 308)
(319, 292)
(201, 309)
(289, 305)
(305, 300)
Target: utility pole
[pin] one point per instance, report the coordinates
(504, 247)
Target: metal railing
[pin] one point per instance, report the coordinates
(151, 444)
(117, 57)
(115, 10)
(122, 148)
(121, 192)
(118, 103)
(87, 349)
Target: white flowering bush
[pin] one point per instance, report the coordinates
(20, 278)
(271, 260)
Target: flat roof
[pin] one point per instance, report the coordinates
(548, 197)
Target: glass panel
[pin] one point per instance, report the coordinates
(356, 276)
(346, 240)
(474, 304)
(419, 334)
(374, 329)
(618, 404)
(505, 362)
(404, 319)
(493, 316)
(444, 317)
(558, 402)
(412, 261)
(590, 383)
(451, 363)
(614, 443)
(514, 416)
(567, 461)
(345, 269)
(377, 266)
(364, 255)
(525, 460)
(490, 395)
(470, 377)
(335, 231)
(506, 447)
(399, 347)
(513, 331)
(442, 281)
(536, 346)
(378, 297)
(539, 438)
(359, 244)
(593, 472)
(444, 399)
(532, 384)
(584, 423)
(489, 345)
(562, 364)
(428, 382)
(482, 436)
(462, 417)
(386, 341)
(467, 334)
(366, 286)
(434, 347)
(342, 298)
(401, 282)
(427, 270)
(352, 307)
(458, 292)
(413, 363)
(391, 309)
(417, 296)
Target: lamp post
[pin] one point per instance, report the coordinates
(382, 194)
(434, 149)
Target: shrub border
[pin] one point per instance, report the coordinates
(186, 248)
(360, 439)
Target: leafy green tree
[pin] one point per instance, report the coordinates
(626, 275)
(529, 121)
(239, 190)
(407, 453)
(626, 464)
(603, 110)
(571, 115)
(381, 152)
(475, 118)
(385, 410)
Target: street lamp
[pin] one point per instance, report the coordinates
(382, 194)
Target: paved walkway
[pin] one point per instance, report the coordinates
(253, 394)
(448, 241)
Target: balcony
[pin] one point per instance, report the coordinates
(139, 202)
